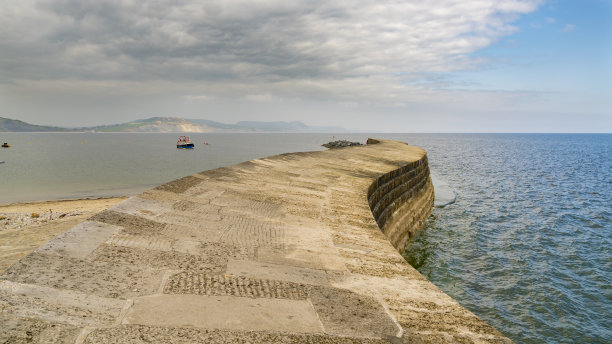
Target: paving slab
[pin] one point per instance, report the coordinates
(139, 334)
(305, 258)
(224, 312)
(188, 282)
(80, 241)
(346, 313)
(102, 279)
(18, 330)
(50, 304)
(276, 272)
(141, 207)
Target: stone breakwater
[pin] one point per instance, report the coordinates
(401, 201)
(295, 248)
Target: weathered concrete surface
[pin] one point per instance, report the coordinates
(294, 248)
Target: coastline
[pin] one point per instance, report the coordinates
(20, 233)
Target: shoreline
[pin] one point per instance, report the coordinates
(62, 205)
(21, 232)
(5, 204)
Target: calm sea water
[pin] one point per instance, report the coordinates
(526, 246)
(42, 166)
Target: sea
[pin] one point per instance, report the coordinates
(522, 237)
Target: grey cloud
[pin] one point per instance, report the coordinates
(277, 47)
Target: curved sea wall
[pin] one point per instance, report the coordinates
(294, 248)
(401, 201)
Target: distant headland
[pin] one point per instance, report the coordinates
(173, 125)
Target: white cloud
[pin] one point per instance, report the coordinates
(568, 28)
(307, 45)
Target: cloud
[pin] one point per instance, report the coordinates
(568, 28)
(342, 50)
(548, 20)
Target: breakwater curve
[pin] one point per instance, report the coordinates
(294, 248)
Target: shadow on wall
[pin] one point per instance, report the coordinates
(402, 200)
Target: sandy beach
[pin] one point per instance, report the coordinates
(26, 226)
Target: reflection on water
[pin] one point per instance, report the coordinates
(420, 248)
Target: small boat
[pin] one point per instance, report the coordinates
(2, 162)
(184, 143)
(5, 145)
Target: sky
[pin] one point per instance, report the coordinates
(365, 65)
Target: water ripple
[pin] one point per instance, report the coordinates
(526, 246)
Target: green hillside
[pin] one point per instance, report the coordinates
(130, 126)
(13, 125)
(172, 124)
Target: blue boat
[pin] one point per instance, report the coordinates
(184, 143)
